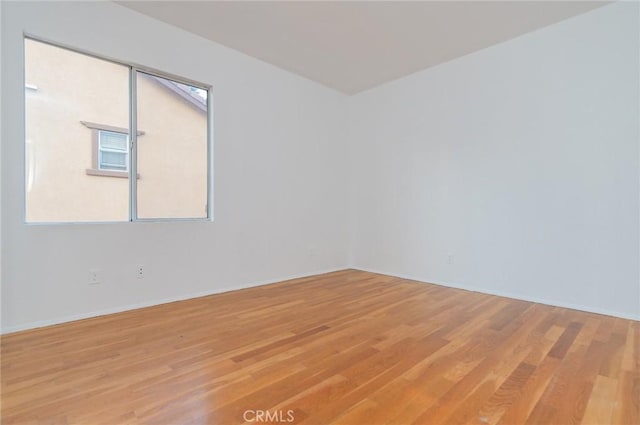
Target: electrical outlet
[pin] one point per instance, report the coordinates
(95, 276)
(450, 259)
(140, 271)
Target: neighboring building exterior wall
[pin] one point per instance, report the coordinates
(65, 89)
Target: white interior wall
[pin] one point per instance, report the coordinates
(279, 169)
(1, 138)
(520, 161)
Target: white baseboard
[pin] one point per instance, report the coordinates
(505, 294)
(74, 317)
(88, 315)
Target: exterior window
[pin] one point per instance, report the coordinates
(113, 151)
(109, 150)
(83, 141)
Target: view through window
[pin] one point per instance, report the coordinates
(80, 153)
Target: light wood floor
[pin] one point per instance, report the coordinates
(343, 348)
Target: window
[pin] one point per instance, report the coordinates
(109, 150)
(83, 127)
(113, 151)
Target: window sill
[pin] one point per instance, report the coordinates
(108, 173)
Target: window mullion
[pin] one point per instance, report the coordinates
(133, 146)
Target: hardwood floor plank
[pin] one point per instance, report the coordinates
(502, 399)
(627, 410)
(564, 342)
(601, 403)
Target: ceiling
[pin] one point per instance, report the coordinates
(354, 46)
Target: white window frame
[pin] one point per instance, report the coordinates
(133, 137)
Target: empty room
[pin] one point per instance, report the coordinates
(315, 213)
